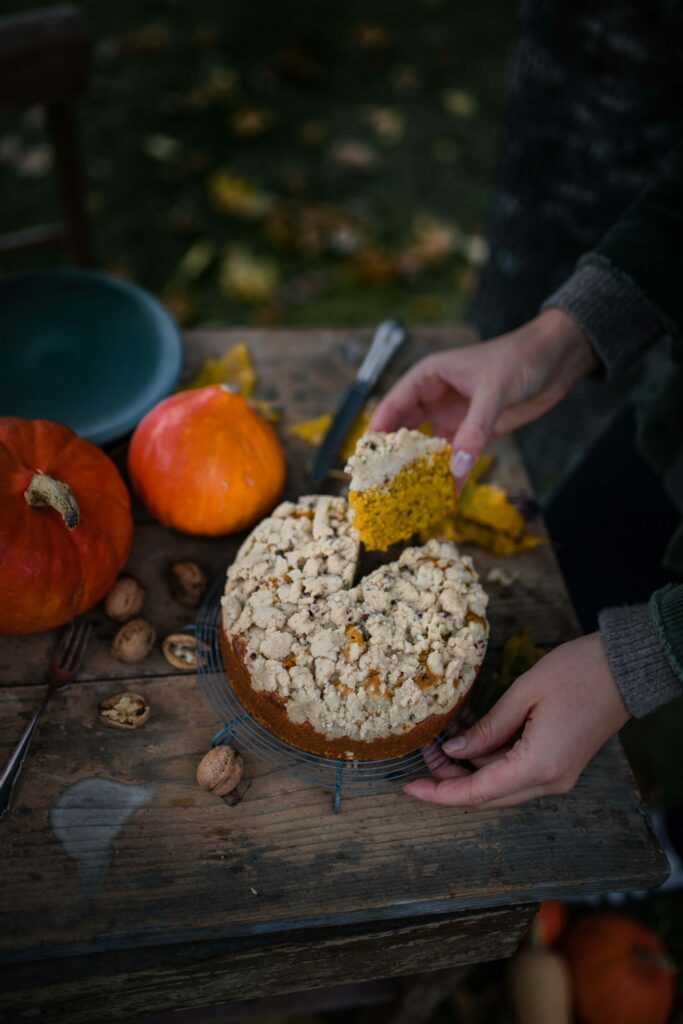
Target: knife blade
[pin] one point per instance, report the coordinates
(388, 338)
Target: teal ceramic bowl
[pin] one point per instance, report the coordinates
(85, 349)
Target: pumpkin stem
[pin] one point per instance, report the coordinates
(44, 490)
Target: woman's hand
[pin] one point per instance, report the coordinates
(567, 706)
(478, 392)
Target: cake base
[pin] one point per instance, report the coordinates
(269, 709)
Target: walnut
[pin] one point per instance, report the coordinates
(125, 599)
(188, 583)
(180, 650)
(220, 770)
(134, 641)
(124, 710)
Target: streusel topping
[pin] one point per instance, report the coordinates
(364, 662)
(379, 456)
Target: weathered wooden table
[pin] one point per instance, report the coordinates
(128, 890)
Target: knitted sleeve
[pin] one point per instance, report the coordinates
(644, 646)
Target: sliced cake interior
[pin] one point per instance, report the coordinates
(400, 483)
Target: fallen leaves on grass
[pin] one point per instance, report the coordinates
(387, 123)
(196, 260)
(459, 103)
(218, 86)
(154, 37)
(179, 302)
(353, 155)
(247, 277)
(250, 122)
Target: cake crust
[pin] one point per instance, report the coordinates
(269, 709)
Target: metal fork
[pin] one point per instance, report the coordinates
(66, 662)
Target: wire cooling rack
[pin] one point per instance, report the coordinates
(339, 776)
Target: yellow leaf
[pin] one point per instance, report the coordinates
(358, 428)
(247, 277)
(519, 655)
(237, 196)
(486, 518)
(268, 410)
(233, 368)
(312, 431)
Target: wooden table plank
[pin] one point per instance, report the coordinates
(184, 876)
(192, 867)
(213, 972)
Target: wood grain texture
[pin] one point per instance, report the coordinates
(212, 973)
(186, 866)
(173, 906)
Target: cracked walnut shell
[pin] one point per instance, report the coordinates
(180, 650)
(220, 770)
(124, 710)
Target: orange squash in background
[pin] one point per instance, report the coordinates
(65, 525)
(205, 462)
(620, 971)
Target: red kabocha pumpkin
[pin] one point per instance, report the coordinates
(205, 462)
(620, 970)
(65, 525)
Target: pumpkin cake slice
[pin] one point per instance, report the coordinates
(400, 483)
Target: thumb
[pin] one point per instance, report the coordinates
(496, 727)
(474, 432)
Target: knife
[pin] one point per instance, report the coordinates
(388, 338)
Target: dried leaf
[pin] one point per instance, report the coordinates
(353, 154)
(237, 196)
(312, 431)
(372, 35)
(268, 410)
(161, 147)
(247, 277)
(150, 38)
(217, 87)
(234, 368)
(519, 654)
(459, 103)
(249, 122)
(180, 303)
(196, 260)
(387, 124)
(485, 517)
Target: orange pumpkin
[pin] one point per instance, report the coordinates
(549, 923)
(65, 524)
(620, 971)
(205, 462)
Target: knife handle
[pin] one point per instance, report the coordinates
(388, 338)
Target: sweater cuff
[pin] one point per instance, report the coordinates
(639, 664)
(666, 608)
(611, 311)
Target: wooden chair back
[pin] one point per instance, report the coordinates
(45, 59)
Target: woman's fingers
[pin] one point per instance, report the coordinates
(493, 731)
(500, 780)
(475, 431)
(408, 401)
